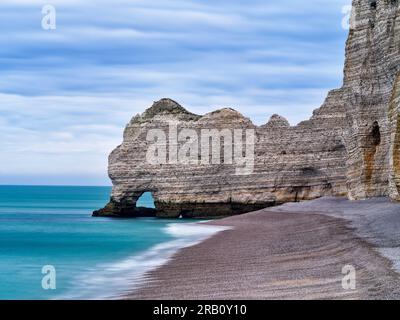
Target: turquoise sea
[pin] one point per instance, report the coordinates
(93, 258)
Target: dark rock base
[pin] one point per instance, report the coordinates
(115, 210)
(184, 210)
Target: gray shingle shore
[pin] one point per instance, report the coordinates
(295, 251)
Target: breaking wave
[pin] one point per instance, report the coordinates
(113, 280)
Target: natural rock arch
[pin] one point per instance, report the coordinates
(352, 143)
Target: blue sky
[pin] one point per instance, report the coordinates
(66, 94)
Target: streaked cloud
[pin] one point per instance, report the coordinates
(65, 95)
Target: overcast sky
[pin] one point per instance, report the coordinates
(66, 94)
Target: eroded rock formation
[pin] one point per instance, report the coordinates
(349, 147)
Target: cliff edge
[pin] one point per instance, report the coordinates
(350, 146)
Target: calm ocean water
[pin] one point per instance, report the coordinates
(93, 257)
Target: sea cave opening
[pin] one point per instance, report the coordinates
(375, 135)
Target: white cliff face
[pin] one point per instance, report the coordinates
(287, 163)
(372, 66)
(350, 146)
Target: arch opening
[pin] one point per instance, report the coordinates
(146, 200)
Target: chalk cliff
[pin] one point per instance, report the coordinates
(349, 147)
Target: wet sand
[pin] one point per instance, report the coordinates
(296, 251)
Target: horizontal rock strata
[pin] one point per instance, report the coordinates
(349, 147)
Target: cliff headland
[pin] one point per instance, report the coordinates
(349, 147)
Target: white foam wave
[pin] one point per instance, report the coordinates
(111, 281)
